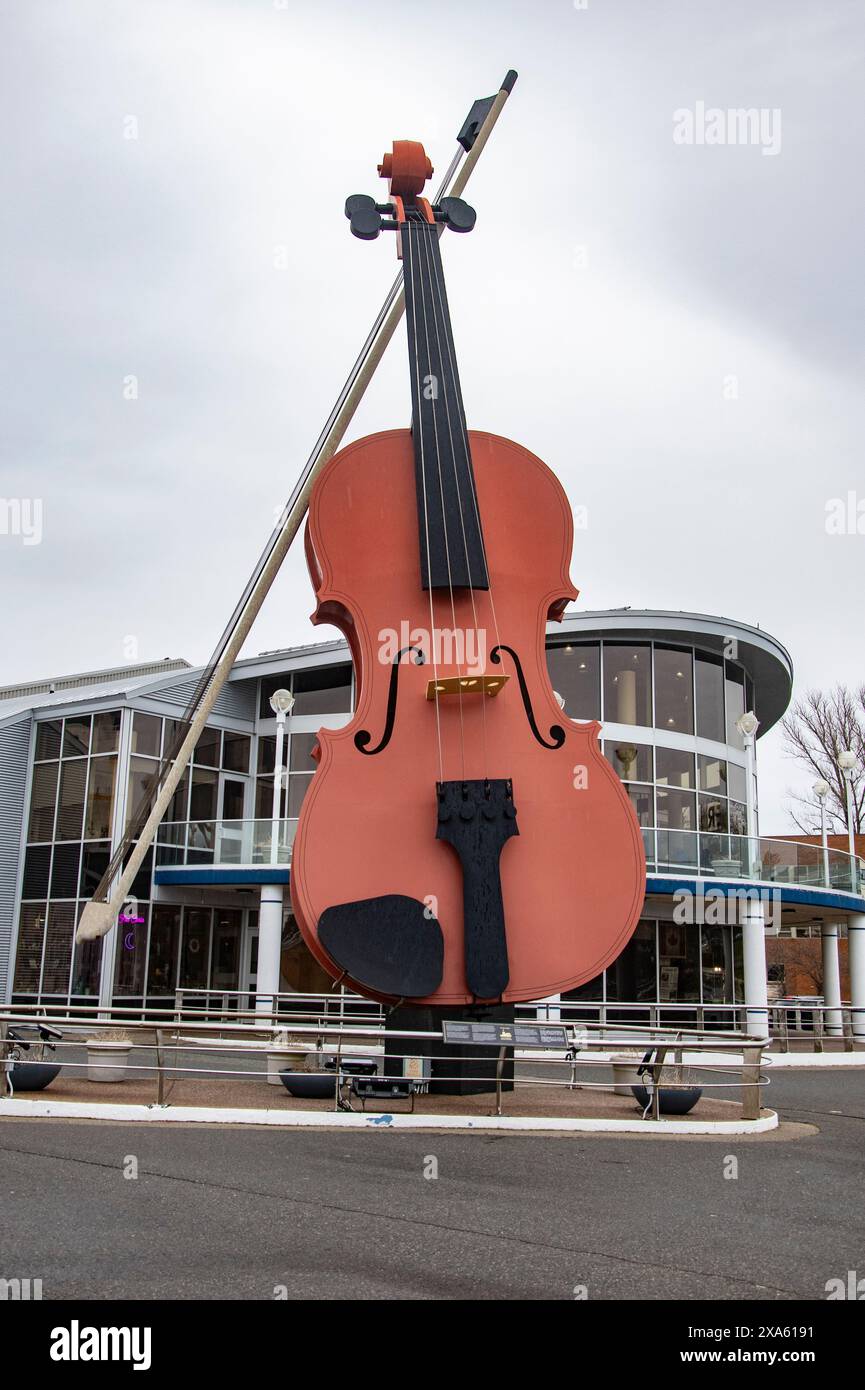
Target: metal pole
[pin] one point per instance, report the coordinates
(276, 811)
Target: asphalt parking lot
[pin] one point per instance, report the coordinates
(258, 1213)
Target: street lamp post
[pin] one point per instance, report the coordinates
(856, 922)
(829, 932)
(847, 762)
(271, 908)
(281, 702)
(821, 790)
(753, 921)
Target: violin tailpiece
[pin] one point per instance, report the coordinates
(477, 818)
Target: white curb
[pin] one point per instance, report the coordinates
(330, 1119)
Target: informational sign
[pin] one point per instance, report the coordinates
(524, 1035)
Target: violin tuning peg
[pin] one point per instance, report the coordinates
(364, 216)
(457, 215)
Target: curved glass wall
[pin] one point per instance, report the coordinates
(677, 690)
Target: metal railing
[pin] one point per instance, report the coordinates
(717, 854)
(709, 854)
(803, 1019)
(155, 1048)
(241, 843)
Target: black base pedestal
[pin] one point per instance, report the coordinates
(456, 1070)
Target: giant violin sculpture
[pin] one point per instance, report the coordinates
(462, 841)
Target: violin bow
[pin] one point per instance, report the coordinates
(101, 911)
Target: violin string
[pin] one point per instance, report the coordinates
(435, 280)
(434, 381)
(433, 658)
(472, 481)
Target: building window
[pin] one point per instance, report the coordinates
(207, 749)
(235, 752)
(627, 684)
(632, 761)
(575, 674)
(146, 734)
(326, 691)
(675, 768)
(37, 869)
(86, 967)
(164, 938)
(58, 948)
(734, 688)
(323, 690)
(195, 954)
(42, 797)
(48, 733)
(100, 797)
(202, 801)
(674, 703)
(709, 685)
(633, 976)
(106, 731)
(76, 737)
(28, 960)
(131, 958)
(678, 963)
(70, 811)
(64, 871)
(141, 772)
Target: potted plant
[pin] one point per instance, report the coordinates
(108, 1055)
(287, 1052)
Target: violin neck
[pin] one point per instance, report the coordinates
(452, 551)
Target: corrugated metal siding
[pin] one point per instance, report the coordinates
(236, 699)
(14, 749)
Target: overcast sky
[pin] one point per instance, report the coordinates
(615, 285)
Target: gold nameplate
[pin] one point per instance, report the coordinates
(465, 685)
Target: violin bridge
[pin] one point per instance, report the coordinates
(466, 685)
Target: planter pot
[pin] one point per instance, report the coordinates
(309, 1085)
(727, 868)
(625, 1075)
(283, 1059)
(673, 1100)
(107, 1061)
(32, 1076)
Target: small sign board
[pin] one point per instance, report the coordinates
(525, 1035)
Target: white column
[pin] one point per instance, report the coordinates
(831, 980)
(269, 942)
(856, 961)
(754, 961)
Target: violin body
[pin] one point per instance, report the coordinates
(571, 862)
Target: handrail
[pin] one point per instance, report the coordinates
(670, 852)
(745, 1055)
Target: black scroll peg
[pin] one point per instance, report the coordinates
(456, 214)
(365, 216)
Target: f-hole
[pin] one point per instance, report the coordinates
(557, 733)
(363, 736)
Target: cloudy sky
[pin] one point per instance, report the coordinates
(676, 328)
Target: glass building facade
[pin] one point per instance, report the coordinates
(668, 701)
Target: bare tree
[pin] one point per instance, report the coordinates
(817, 729)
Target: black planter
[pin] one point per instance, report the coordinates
(309, 1085)
(32, 1076)
(673, 1100)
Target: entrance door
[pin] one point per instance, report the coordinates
(225, 964)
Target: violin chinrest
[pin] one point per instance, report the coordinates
(391, 944)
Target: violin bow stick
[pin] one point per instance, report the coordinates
(100, 913)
